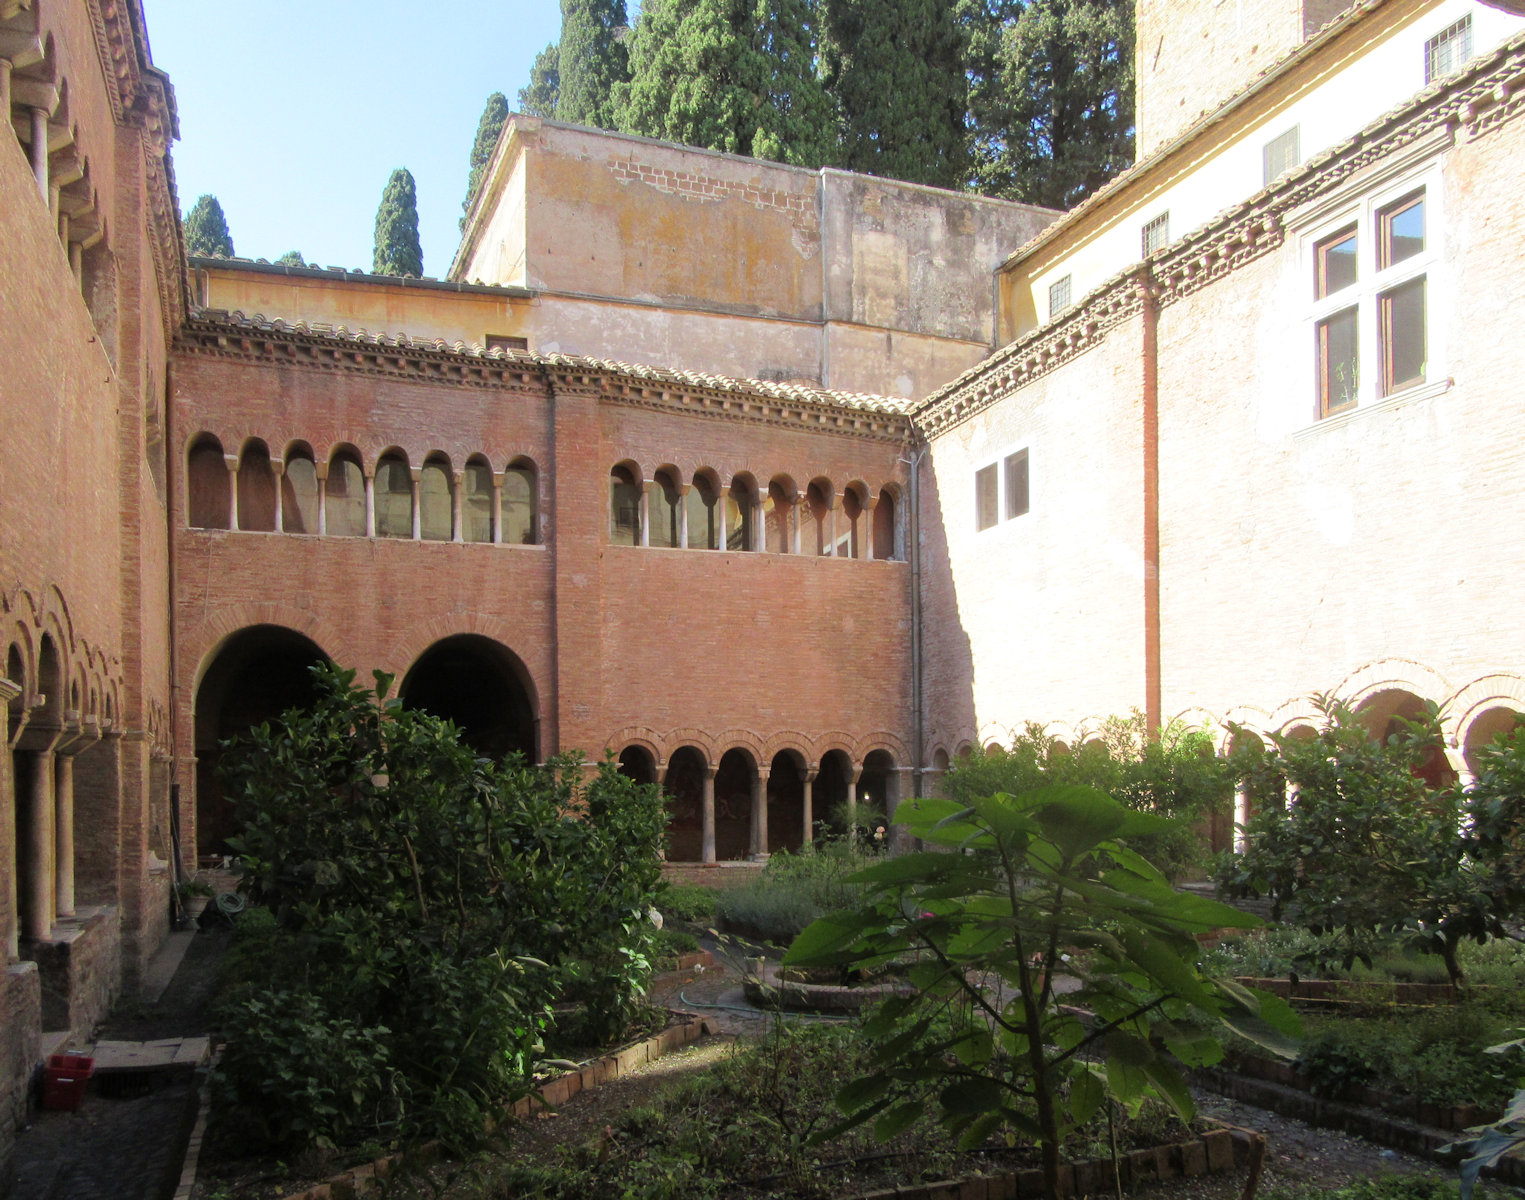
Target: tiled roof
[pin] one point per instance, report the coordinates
(789, 392)
(313, 271)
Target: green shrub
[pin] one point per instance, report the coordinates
(689, 902)
(669, 944)
(792, 891)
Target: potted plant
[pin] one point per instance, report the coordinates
(193, 896)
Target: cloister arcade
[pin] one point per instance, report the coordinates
(344, 496)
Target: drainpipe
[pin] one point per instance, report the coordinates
(171, 494)
(917, 702)
(1149, 294)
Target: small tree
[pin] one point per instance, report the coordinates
(292, 258)
(1369, 851)
(540, 97)
(1035, 886)
(494, 115)
(397, 250)
(206, 230)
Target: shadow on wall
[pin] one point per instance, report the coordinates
(947, 677)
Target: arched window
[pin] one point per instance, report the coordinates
(435, 517)
(704, 513)
(256, 488)
(299, 492)
(663, 514)
(344, 496)
(476, 503)
(884, 525)
(624, 507)
(778, 516)
(519, 513)
(852, 540)
(206, 474)
(818, 498)
(740, 513)
(394, 497)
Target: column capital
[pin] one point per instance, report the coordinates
(277, 467)
(8, 690)
(320, 471)
(458, 478)
(232, 462)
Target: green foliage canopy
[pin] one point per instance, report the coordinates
(430, 906)
(539, 98)
(397, 251)
(494, 114)
(1019, 890)
(206, 230)
(591, 61)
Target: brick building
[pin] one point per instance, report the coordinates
(908, 468)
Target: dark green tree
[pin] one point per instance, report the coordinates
(1050, 97)
(896, 71)
(206, 230)
(292, 258)
(540, 97)
(397, 249)
(731, 75)
(488, 128)
(592, 61)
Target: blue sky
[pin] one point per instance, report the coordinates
(293, 113)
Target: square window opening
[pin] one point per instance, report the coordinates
(1058, 297)
(1016, 484)
(1448, 50)
(986, 501)
(1156, 234)
(1280, 155)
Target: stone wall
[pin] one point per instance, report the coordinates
(80, 972)
(20, 1046)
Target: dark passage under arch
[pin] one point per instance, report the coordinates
(483, 687)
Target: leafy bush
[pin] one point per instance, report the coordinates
(689, 902)
(429, 904)
(792, 891)
(669, 944)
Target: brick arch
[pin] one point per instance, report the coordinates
(740, 739)
(833, 739)
(1197, 719)
(638, 735)
(210, 638)
(991, 731)
(402, 654)
(788, 739)
(1392, 674)
(694, 739)
(1504, 689)
(885, 741)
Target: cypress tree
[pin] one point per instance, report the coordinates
(540, 97)
(1051, 98)
(591, 61)
(896, 71)
(488, 128)
(397, 249)
(206, 230)
(731, 75)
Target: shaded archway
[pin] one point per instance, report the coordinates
(255, 676)
(1384, 713)
(733, 805)
(1493, 723)
(830, 793)
(876, 785)
(483, 687)
(637, 765)
(786, 801)
(684, 785)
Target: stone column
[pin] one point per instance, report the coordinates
(497, 507)
(1241, 814)
(320, 470)
(63, 228)
(458, 481)
(831, 527)
(278, 470)
(759, 537)
(759, 847)
(77, 262)
(852, 794)
(415, 475)
(40, 150)
(370, 501)
(9, 693)
(867, 541)
(644, 509)
(793, 524)
(807, 805)
(40, 849)
(707, 817)
(683, 516)
(70, 744)
(231, 462)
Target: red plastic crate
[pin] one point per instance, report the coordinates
(64, 1080)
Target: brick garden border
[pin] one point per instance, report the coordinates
(1355, 991)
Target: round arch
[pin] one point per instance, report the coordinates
(483, 687)
(683, 785)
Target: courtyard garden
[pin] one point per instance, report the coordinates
(433, 937)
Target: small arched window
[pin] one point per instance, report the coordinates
(703, 505)
(519, 514)
(624, 507)
(740, 513)
(778, 516)
(818, 498)
(206, 484)
(435, 502)
(663, 515)
(851, 539)
(884, 525)
(476, 502)
(299, 492)
(394, 497)
(256, 488)
(344, 496)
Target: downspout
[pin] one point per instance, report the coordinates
(917, 701)
(1149, 294)
(820, 216)
(171, 491)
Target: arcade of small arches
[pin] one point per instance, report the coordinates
(742, 803)
(60, 771)
(703, 513)
(344, 496)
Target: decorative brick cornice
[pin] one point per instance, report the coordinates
(217, 334)
(1479, 98)
(116, 44)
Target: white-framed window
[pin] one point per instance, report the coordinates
(1373, 269)
(1279, 156)
(1156, 233)
(1002, 490)
(1448, 50)
(1058, 296)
